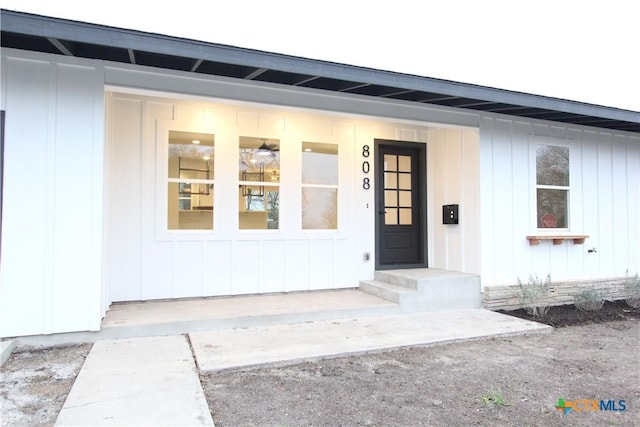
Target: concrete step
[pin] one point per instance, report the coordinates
(433, 289)
(419, 278)
(393, 293)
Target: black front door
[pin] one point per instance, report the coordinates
(401, 204)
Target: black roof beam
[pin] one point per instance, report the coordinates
(303, 81)
(255, 73)
(354, 87)
(400, 92)
(61, 46)
(196, 64)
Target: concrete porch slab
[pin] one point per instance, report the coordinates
(198, 314)
(279, 344)
(137, 381)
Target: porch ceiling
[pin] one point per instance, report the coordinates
(72, 38)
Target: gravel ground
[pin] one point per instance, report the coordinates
(513, 381)
(35, 383)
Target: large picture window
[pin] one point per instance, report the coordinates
(190, 181)
(552, 186)
(319, 186)
(259, 190)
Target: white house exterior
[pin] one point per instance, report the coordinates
(106, 198)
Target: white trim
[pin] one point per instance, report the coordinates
(534, 142)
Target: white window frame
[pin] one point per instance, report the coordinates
(553, 142)
(162, 180)
(336, 187)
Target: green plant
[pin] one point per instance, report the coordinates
(493, 398)
(589, 300)
(632, 290)
(534, 296)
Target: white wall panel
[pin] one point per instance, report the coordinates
(297, 271)
(590, 202)
(246, 267)
(73, 213)
(52, 216)
(436, 160)
(453, 178)
(156, 270)
(218, 274)
(487, 200)
(633, 196)
(620, 206)
(470, 197)
(187, 260)
(503, 210)
(605, 203)
(321, 263)
(26, 262)
(272, 267)
(522, 216)
(344, 274)
(123, 206)
(576, 254)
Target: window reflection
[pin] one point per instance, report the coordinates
(259, 194)
(552, 186)
(319, 186)
(190, 175)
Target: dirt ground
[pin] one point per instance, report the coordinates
(34, 383)
(514, 381)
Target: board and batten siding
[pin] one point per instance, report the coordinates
(604, 202)
(454, 177)
(51, 266)
(146, 261)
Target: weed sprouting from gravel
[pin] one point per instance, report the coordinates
(493, 398)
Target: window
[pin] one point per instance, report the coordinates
(319, 186)
(552, 186)
(259, 191)
(190, 181)
(397, 190)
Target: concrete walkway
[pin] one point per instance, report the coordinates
(137, 381)
(239, 348)
(154, 381)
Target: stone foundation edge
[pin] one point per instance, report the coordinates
(560, 293)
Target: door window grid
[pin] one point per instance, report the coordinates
(397, 190)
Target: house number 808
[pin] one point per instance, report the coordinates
(366, 184)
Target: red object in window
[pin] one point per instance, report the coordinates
(549, 221)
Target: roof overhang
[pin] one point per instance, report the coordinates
(78, 39)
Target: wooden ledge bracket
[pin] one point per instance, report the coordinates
(557, 240)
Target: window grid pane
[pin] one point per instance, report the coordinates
(552, 182)
(404, 163)
(190, 181)
(390, 162)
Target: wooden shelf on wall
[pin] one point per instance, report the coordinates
(578, 239)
